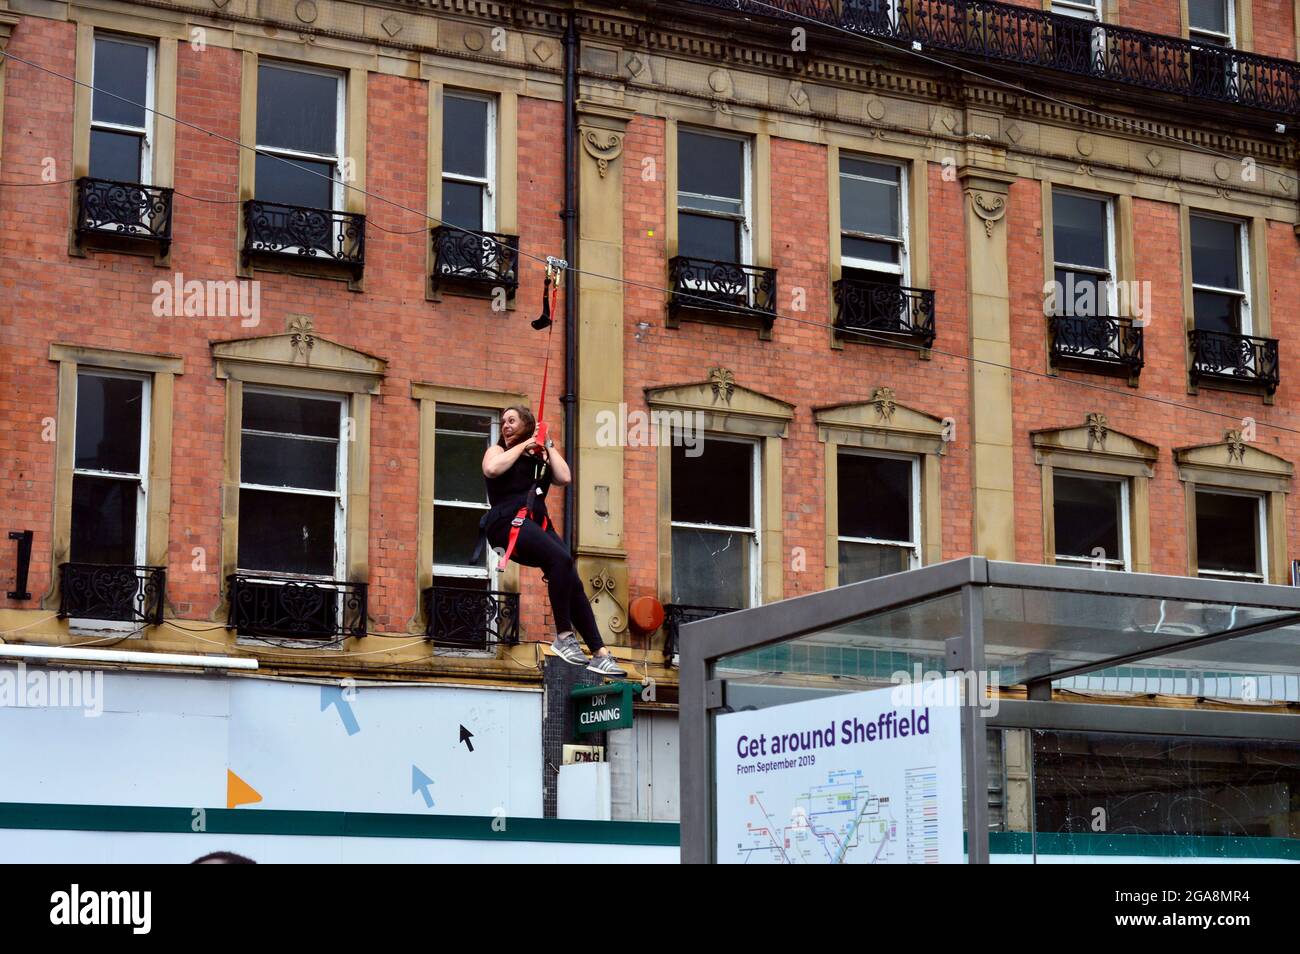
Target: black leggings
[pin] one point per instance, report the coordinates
(544, 548)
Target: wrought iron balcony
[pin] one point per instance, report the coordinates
(121, 593)
(124, 210)
(701, 284)
(263, 607)
(678, 614)
(470, 619)
(483, 259)
(1244, 359)
(1096, 343)
(318, 235)
(879, 310)
(1030, 37)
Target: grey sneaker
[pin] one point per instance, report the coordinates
(606, 666)
(567, 648)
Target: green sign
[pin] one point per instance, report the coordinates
(601, 708)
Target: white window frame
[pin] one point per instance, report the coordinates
(1083, 9)
(756, 511)
(747, 187)
(489, 181)
(340, 492)
(912, 546)
(146, 131)
(488, 571)
(1261, 537)
(340, 128)
(902, 240)
(1243, 258)
(1112, 288)
(1214, 37)
(1125, 532)
(142, 478)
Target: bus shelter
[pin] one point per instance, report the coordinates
(1103, 714)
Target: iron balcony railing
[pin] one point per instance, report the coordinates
(320, 235)
(702, 284)
(879, 310)
(485, 259)
(677, 615)
(1245, 359)
(1096, 342)
(1024, 36)
(120, 593)
(125, 210)
(262, 607)
(470, 619)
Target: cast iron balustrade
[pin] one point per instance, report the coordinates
(1223, 356)
(262, 607)
(701, 284)
(124, 210)
(319, 235)
(1096, 343)
(470, 619)
(1030, 37)
(483, 259)
(880, 310)
(121, 593)
(678, 614)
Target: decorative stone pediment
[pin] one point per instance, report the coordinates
(301, 358)
(1095, 441)
(1234, 462)
(905, 427)
(725, 405)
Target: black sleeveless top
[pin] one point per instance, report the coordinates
(510, 490)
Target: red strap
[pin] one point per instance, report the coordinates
(546, 368)
(515, 524)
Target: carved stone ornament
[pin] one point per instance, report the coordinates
(605, 605)
(1097, 429)
(989, 206)
(1236, 446)
(301, 338)
(603, 145)
(724, 384)
(883, 399)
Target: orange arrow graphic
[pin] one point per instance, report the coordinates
(239, 792)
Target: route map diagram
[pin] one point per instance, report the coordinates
(844, 821)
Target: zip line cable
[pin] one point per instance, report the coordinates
(740, 309)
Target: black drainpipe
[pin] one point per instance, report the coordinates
(570, 217)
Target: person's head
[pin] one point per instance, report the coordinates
(517, 424)
(223, 858)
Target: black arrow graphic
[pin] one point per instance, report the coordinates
(465, 736)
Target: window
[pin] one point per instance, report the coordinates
(462, 436)
(293, 480)
(873, 220)
(1087, 9)
(1231, 535)
(121, 132)
(1091, 517)
(1220, 276)
(1212, 21)
(110, 483)
(715, 494)
(879, 514)
(300, 119)
(468, 161)
(713, 197)
(1083, 244)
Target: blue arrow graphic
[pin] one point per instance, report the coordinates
(333, 696)
(420, 783)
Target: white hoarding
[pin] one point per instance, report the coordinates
(858, 778)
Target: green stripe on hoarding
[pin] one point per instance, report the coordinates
(243, 821)
(1089, 844)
